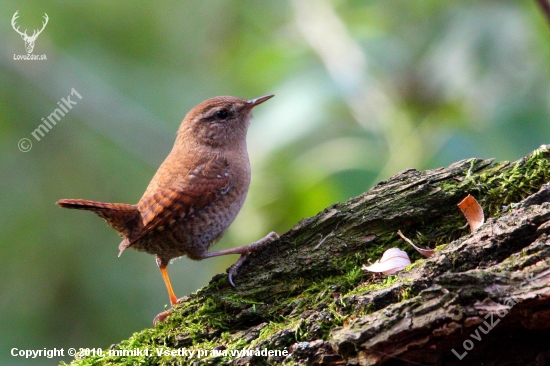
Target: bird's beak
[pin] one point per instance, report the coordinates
(254, 102)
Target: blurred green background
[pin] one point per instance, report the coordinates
(364, 90)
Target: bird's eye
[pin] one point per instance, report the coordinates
(222, 114)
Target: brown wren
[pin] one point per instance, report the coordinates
(195, 194)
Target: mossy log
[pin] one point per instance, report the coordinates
(482, 298)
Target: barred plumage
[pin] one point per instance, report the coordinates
(195, 194)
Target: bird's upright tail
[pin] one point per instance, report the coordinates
(122, 217)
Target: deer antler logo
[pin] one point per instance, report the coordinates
(29, 40)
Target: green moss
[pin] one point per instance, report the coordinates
(501, 185)
(405, 294)
(363, 288)
(494, 187)
(440, 247)
(207, 319)
(415, 264)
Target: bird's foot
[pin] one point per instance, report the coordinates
(272, 236)
(161, 317)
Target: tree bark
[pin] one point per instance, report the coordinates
(482, 298)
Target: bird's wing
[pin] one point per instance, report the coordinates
(192, 192)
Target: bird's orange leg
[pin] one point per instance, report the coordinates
(173, 299)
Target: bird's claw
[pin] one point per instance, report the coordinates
(161, 317)
(272, 236)
(235, 267)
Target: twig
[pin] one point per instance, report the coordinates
(326, 237)
(545, 7)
